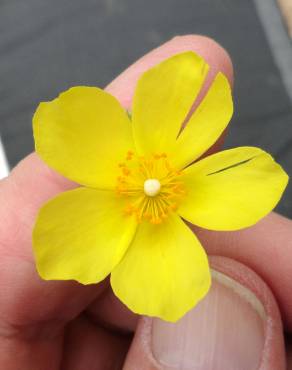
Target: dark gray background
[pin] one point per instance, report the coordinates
(48, 45)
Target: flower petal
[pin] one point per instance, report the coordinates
(164, 272)
(81, 235)
(206, 124)
(163, 97)
(232, 189)
(83, 134)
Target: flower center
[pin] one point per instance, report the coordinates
(153, 188)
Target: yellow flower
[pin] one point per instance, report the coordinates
(139, 183)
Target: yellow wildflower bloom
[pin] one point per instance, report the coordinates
(140, 178)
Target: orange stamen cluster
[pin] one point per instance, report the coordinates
(130, 183)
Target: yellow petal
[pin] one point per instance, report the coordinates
(164, 272)
(232, 189)
(81, 235)
(162, 100)
(83, 134)
(206, 124)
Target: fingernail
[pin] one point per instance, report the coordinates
(224, 331)
(237, 326)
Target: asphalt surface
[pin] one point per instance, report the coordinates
(48, 46)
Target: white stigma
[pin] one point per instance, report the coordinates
(151, 187)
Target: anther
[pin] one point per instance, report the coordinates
(130, 154)
(126, 171)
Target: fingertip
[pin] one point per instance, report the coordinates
(215, 54)
(238, 302)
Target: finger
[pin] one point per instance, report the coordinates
(109, 312)
(266, 248)
(91, 347)
(237, 326)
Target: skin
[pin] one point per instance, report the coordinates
(52, 325)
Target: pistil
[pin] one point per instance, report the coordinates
(153, 186)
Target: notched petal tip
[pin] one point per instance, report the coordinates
(206, 124)
(163, 98)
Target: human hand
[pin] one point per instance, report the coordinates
(50, 325)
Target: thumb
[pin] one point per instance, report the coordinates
(237, 326)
